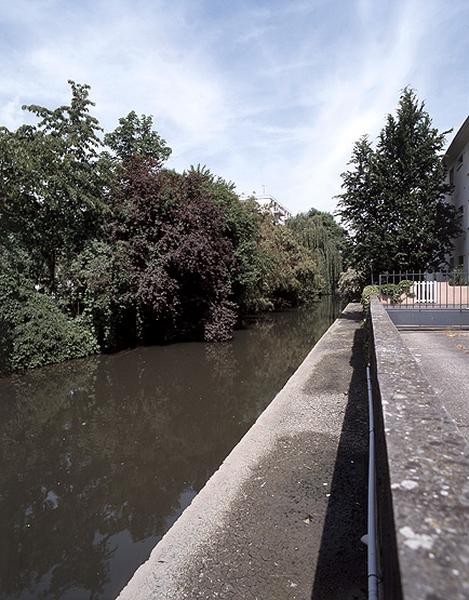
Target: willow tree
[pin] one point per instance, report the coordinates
(320, 234)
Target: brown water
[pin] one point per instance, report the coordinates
(99, 457)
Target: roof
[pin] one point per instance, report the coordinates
(459, 141)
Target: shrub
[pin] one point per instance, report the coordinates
(405, 285)
(458, 277)
(100, 286)
(219, 325)
(44, 335)
(33, 330)
(394, 291)
(368, 292)
(350, 284)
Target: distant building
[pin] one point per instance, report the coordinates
(278, 211)
(456, 161)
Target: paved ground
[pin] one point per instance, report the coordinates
(283, 516)
(444, 358)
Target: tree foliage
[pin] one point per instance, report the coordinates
(33, 329)
(393, 201)
(174, 237)
(52, 183)
(319, 232)
(350, 284)
(135, 136)
(102, 247)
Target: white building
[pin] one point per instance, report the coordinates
(278, 211)
(456, 161)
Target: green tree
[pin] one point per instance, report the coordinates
(320, 234)
(290, 274)
(52, 183)
(393, 201)
(243, 220)
(101, 248)
(135, 136)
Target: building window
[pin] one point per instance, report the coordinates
(451, 176)
(461, 260)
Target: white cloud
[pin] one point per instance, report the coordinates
(11, 115)
(353, 99)
(272, 96)
(131, 63)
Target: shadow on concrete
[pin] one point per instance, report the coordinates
(341, 571)
(350, 315)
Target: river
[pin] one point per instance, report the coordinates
(100, 456)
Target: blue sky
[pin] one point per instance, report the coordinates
(264, 93)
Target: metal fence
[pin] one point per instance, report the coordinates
(422, 290)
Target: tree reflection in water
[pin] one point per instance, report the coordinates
(99, 457)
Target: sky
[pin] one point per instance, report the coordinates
(264, 93)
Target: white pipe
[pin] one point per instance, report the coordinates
(373, 577)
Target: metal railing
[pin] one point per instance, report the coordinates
(442, 289)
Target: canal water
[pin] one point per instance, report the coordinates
(99, 457)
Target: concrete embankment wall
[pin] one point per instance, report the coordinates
(284, 514)
(424, 477)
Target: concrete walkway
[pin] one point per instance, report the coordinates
(283, 516)
(443, 357)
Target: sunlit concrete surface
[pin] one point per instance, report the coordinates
(443, 357)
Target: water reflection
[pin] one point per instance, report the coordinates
(99, 457)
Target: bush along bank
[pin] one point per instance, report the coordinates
(395, 293)
(103, 248)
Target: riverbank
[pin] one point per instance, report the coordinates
(284, 514)
(52, 346)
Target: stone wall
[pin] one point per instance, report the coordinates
(423, 470)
